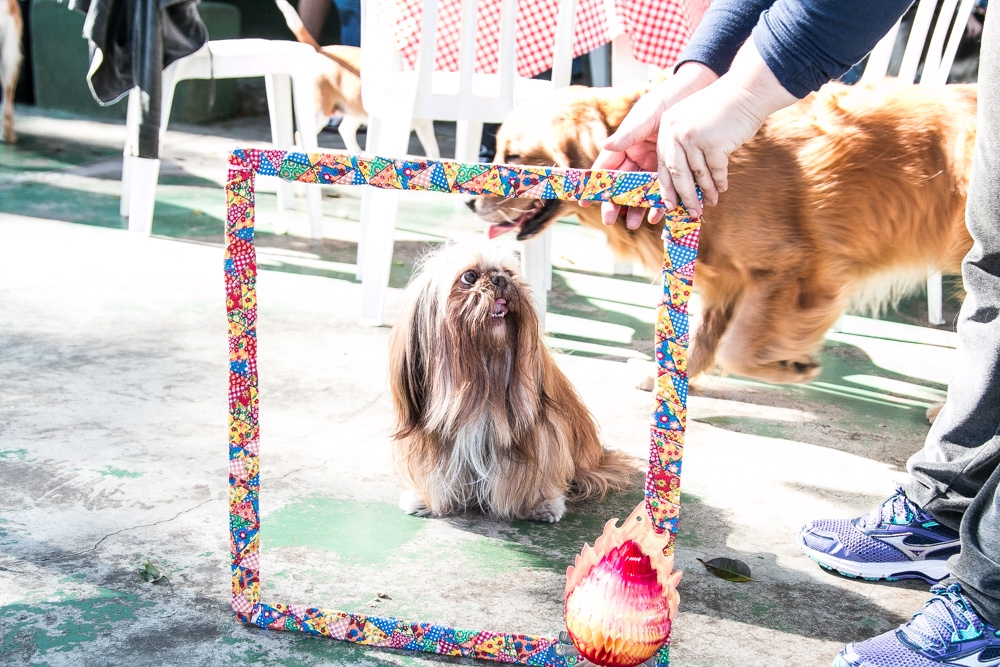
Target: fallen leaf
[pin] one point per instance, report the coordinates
(729, 569)
(151, 574)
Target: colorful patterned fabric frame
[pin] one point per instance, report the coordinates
(669, 416)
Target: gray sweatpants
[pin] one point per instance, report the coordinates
(955, 477)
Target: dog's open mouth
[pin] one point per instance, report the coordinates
(529, 222)
(499, 309)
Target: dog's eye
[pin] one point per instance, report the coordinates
(512, 157)
(470, 277)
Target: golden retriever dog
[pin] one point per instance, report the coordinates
(338, 88)
(484, 417)
(11, 26)
(852, 193)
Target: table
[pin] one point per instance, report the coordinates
(658, 30)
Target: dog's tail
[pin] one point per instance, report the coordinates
(614, 471)
(295, 24)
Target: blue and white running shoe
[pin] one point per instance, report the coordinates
(946, 632)
(898, 540)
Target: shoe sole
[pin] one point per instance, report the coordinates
(931, 571)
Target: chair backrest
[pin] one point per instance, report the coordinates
(466, 90)
(940, 54)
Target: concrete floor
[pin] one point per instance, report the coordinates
(113, 443)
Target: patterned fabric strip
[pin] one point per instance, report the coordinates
(663, 477)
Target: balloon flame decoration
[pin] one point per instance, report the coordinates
(621, 594)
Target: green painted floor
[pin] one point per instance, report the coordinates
(113, 439)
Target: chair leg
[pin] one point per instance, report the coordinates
(371, 141)
(378, 220)
(145, 174)
(279, 109)
(536, 265)
(304, 103)
(622, 267)
(128, 153)
(468, 136)
(935, 298)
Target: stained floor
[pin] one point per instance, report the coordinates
(113, 443)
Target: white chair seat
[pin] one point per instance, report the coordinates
(289, 70)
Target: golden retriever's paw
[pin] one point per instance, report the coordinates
(933, 412)
(550, 510)
(797, 370)
(411, 502)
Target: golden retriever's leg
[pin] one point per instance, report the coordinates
(778, 326)
(11, 61)
(705, 339)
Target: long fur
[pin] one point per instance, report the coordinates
(11, 26)
(851, 194)
(338, 87)
(484, 417)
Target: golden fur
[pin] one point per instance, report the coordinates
(851, 187)
(484, 417)
(338, 87)
(11, 26)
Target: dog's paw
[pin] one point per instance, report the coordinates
(411, 502)
(550, 510)
(798, 370)
(933, 412)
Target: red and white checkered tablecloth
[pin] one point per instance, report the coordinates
(659, 29)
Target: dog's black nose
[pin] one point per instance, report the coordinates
(499, 281)
(471, 203)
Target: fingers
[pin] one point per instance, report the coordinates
(609, 213)
(718, 165)
(702, 177)
(633, 217)
(640, 123)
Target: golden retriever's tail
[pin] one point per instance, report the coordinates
(295, 24)
(615, 471)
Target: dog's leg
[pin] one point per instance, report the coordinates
(705, 339)
(348, 130)
(778, 326)
(10, 65)
(411, 502)
(549, 510)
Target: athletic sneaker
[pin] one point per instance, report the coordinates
(897, 540)
(947, 631)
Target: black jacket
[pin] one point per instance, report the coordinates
(131, 41)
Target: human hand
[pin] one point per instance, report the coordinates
(695, 134)
(632, 147)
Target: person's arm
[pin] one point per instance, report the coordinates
(807, 44)
(800, 45)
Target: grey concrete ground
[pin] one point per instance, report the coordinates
(113, 440)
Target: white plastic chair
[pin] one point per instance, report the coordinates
(941, 49)
(393, 97)
(290, 77)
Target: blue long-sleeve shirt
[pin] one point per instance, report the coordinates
(805, 43)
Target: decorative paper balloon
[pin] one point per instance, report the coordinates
(621, 594)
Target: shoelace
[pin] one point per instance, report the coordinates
(946, 618)
(896, 509)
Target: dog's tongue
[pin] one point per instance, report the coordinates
(500, 307)
(498, 230)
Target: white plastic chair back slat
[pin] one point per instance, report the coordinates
(392, 97)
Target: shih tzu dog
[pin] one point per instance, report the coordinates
(484, 417)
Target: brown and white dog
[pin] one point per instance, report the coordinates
(338, 87)
(852, 193)
(484, 417)
(11, 26)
